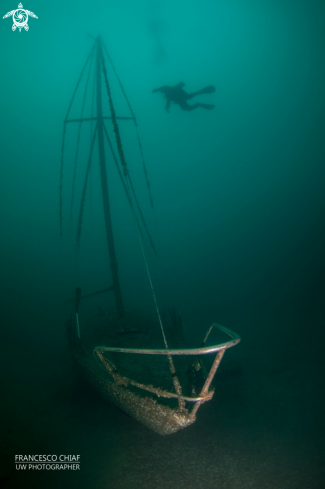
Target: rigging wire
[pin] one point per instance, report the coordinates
(82, 203)
(126, 171)
(135, 124)
(114, 121)
(127, 191)
(127, 184)
(90, 134)
(118, 138)
(126, 174)
(63, 138)
(176, 382)
(78, 139)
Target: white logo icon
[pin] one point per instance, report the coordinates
(20, 18)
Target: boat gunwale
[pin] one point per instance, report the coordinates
(184, 351)
(205, 394)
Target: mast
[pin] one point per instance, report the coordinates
(103, 178)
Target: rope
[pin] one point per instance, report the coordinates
(128, 187)
(177, 386)
(141, 215)
(91, 130)
(125, 171)
(78, 139)
(63, 138)
(142, 157)
(115, 125)
(82, 203)
(119, 142)
(61, 179)
(127, 192)
(136, 127)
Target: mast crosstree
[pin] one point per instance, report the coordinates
(100, 130)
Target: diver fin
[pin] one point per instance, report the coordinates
(209, 89)
(207, 106)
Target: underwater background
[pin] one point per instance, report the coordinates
(239, 205)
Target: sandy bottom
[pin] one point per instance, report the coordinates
(264, 429)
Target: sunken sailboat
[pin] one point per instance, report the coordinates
(140, 363)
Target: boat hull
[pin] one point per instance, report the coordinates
(113, 376)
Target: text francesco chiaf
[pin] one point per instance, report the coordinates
(47, 458)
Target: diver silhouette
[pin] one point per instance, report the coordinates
(178, 96)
